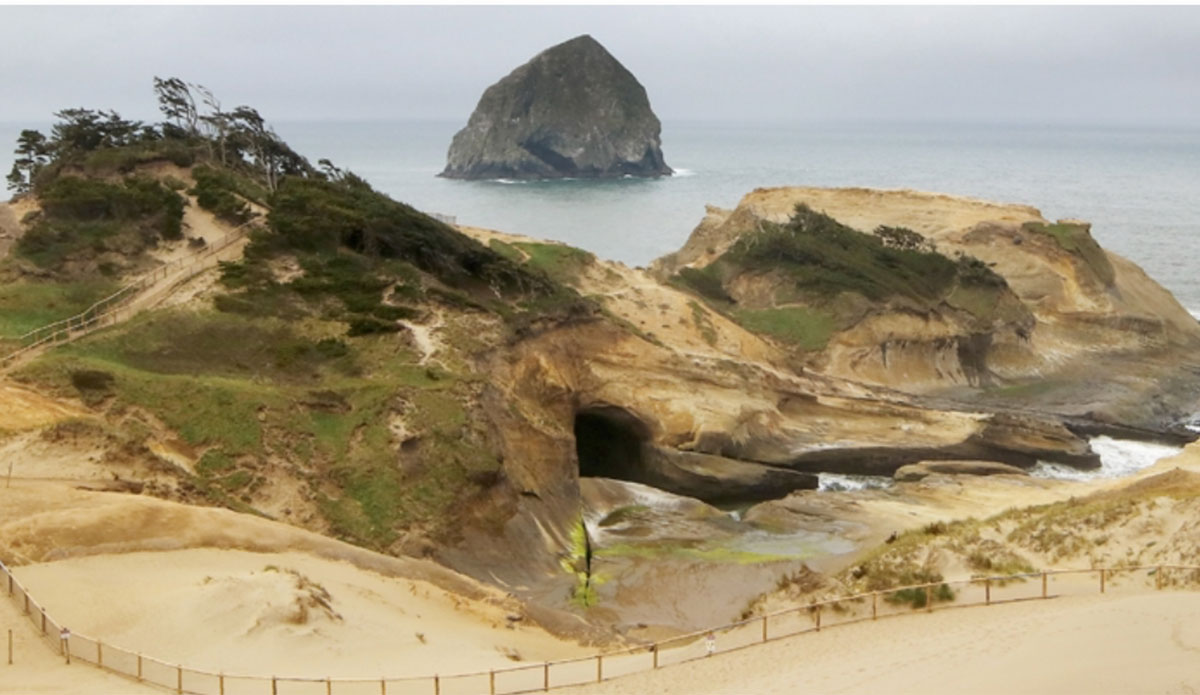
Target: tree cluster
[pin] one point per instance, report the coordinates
(239, 138)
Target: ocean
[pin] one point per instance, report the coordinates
(1140, 187)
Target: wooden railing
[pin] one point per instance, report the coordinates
(543, 676)
(107, 311)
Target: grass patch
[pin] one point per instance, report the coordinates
(808, 329)
(560, 262)
(703, 323)
(26, 305)
(1077, 239)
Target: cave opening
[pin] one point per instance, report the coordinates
(609, 443)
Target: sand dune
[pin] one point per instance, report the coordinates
(282, 613)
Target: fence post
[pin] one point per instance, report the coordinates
(221, 683)
(328, 687)
(179, 679)
(764, 628)
(139, 676)
(546, 673)
(818, 617)
(874, 605)
(10, 647)
(43, 621)
(99, 654)
(492, 682)
(274, 686)
(654, 649)
(382, 686)
(1043, 585)
(987, 591)
(1157, 579)
(437, 685)
(928, 598)
(599, 668)
(1102, 580)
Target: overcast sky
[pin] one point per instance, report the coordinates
(1086, 65)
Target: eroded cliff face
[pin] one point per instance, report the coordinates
(685, 409)
(1081, 330)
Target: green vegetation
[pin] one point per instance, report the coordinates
(703, 323)
(1077, 239)
(224, 193)
(704, 281)
(809, 329)
(813, 263)
(825, 257)
(26, 305)
(578, 561)
(83, 218)
(559, 262)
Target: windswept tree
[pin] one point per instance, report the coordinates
(84, 130)
(176, 102)
(33, 152)
(218, 122)
(268, 153)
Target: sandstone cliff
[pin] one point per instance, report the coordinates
(1074, 329)
(573, 111)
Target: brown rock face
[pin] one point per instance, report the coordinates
(919, 471)
(573, 111)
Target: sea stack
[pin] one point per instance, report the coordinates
(573, 111)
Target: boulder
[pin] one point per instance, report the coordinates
(919, 471)
(573, 111)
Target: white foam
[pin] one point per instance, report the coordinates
(842, 482)
(681, 173)
(1118, 458)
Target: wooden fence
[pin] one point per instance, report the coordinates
(108, 310)
(543, 676)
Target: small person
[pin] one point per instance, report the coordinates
(710, 644)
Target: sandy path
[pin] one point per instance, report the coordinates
(1102, 644)
(37, 668)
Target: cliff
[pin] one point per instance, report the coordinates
(1057, 323)
(573, 111)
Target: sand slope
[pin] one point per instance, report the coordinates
(282, 613)
(1103, 644)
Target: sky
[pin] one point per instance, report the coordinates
(1039, 65)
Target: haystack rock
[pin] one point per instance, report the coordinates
(573, 111)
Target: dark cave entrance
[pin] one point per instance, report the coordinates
(609, 443)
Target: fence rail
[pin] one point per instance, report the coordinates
(536, 677)
(106, 311)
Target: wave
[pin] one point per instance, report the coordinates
(682, 173)
(843, 482)
(1195, 313)
(1118, 458)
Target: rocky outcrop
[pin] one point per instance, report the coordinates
(573, 111)
(919, 471)
(1075, 330)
